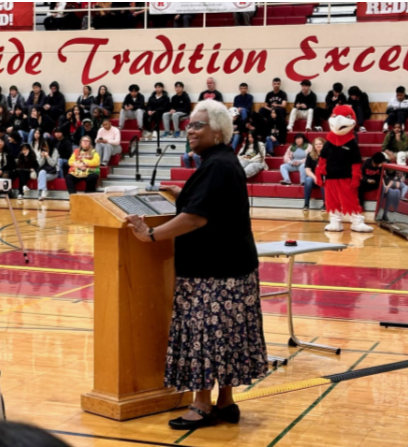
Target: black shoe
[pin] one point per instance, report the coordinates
(323, 209)
(229, 414)
(208, 419)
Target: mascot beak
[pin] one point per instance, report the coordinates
(341, 125)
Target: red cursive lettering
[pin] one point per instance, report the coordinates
(176, 67)
(168, 54)
(211, 68)
(308, 55)
(194, 58)
(120, 61)
(86, 73)
(261, 58)
(335, 62)
(358, 64)
(390, 57)
(238, 55)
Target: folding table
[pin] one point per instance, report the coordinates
(277, 249)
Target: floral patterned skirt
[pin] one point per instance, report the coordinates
(216, 334)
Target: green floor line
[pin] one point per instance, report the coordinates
(250, 387)
(317, 401)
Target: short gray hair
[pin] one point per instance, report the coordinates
(218, 116)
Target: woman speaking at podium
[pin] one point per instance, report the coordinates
(216, 333)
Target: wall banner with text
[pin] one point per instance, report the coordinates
(200, 7)
(381, 11)
(16, 16)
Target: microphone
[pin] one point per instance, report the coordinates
(152, 186)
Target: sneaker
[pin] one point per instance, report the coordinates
(177, 134)
(43, 195)
(147, 136)
(305, 209)
(26, 189)
(385, 128)
(284, 182)
(323, 209)
(20, 197)
(308, 129)
(154, 135)
(363, 129)
(318, 129)
(166, 135)
(289, 129)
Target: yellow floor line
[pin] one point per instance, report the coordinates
(47, 270)
(73, 290)
(280, 389)
(338, 289)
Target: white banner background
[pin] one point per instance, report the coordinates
(200, 7)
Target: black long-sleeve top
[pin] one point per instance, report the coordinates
(309, 100)
(106, 102)
(85, 102)
(137, 103)
(332, 103)
(40, 102)
(371, 172)
(181, 103)
(362, 102)
(159, 105)
(57, 102)
(46, 125)
(27, 162)
(19, 123)
(7, 161)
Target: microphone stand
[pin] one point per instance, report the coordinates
(152, 186)
(158, 150)
(133, 152)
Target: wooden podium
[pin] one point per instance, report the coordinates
(134, 284)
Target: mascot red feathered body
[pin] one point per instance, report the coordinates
(339, 171)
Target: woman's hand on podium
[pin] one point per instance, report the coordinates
(172, 189)
(139, 228)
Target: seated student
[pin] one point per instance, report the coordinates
(305, 104)
(108, 142)
(48, 162)
(7, 161)
(371, 170)
(37, 119)
(104, 19)
(72, 121)
(361, 106)
(15, 434)
(84, 167)
(86, 100)
(295, 158)
(244, 101)
(19, 123)
(27, 167)
(257, 125)
(395, 145)
(239, 126)
(14, 98)
(276, 99)
(133, 107)
(394, 190)
(14, 144)
(64, 147)
(180, 107)
(252, 156)
(158, 104)
(62, 20)
(244, 18)
(397, 110)
(54, 104)
(277, 132)
(104, 101)
(36, 98)
(86, 129)
(211, 92)
(97, 118)
(312, 161)
(38, 141)
(4, 116)
(334, 98)
(191, 155)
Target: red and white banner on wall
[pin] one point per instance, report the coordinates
(16, 16)
(381, 11)
(199, 7)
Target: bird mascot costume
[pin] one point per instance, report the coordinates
(339, 172)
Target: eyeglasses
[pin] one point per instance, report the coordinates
(196, 125)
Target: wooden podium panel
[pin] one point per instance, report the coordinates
(134, 285)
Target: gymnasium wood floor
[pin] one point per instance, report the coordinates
(46, 339)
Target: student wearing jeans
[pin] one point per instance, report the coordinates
(371, 171)
(190, 155)
(305, 104)
(397, 110)
(108, 142)
(295, 158)
(133, 107)
(48, 164)
(244, 102)
(312, 161)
